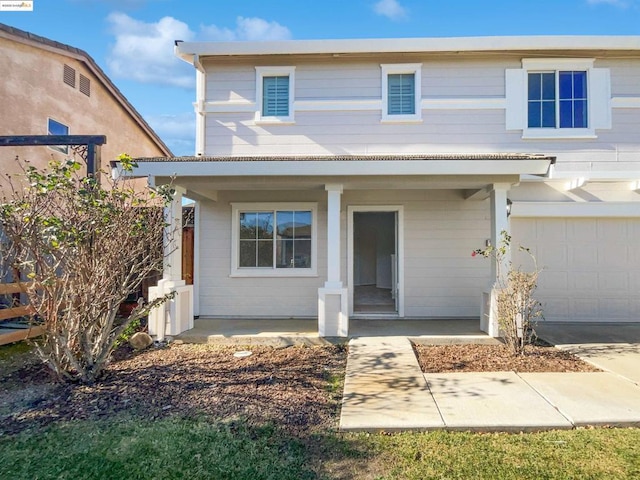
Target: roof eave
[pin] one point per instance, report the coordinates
(186, 50)
(293, 168)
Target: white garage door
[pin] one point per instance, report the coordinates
(591, 266)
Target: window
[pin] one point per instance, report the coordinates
(401, 92)
(274, 95)
(274, 240)
(401, 95)
(558, 98)
(57, 128)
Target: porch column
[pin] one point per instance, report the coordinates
(333, 316)
(176, 315)
(499, 268)
(172, 268)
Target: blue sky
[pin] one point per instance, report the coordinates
(132, 40)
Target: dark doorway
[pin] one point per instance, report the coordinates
(374, 262)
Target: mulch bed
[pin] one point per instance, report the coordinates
(286, 386)
(497, 358)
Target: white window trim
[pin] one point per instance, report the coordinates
(63, 149)
(532, 65)
(237, 271)
(262, 72)
(396, 68)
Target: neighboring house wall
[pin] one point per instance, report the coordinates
(32, 90)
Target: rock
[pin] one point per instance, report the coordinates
(140, 340)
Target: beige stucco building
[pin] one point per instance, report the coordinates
(51, 88)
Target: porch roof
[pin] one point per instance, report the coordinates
(354, 165)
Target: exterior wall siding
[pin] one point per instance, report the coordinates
(349, 130)
(590, 263)
(441, 277)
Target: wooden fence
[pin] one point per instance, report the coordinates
(14, 332)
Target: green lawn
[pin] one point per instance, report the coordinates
(129, 448)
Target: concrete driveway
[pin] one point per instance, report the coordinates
(613, 347)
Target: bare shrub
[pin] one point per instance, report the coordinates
(85, 247)
(517, 309)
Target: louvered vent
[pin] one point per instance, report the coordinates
(85, 85)
(69, 76)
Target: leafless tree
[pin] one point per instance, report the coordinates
(84, 246)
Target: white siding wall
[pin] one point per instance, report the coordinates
(441, 277)
(448, 129)
(222, 295)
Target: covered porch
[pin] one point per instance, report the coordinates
(335, 190)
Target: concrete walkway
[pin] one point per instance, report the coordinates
(385, 390)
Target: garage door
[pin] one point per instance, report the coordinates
(591, 266)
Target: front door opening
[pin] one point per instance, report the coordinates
(374, 262)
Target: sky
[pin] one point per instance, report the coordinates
(132, 40)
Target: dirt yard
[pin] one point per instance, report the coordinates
(496, 358)
(287, 386)
(298, 388)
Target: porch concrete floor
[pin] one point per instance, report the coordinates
(296, 331)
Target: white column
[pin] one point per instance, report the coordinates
(333, 309)
(499, 223)
(176, 315)
(172, 268)
(334, 191)
(499, 267)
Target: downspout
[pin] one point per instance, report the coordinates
(199, 106)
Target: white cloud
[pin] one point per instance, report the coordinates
(144, 51)
(251, 29)
(390, 9)
(177, 131)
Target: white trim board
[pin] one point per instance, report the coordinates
(375, 104)
(356, 168)
(575, 209)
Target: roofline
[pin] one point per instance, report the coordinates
(357, 165)
(27, 38)
(187, 50)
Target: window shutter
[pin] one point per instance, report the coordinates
(85, 85)
(600, 97)
(69, 76)
(515, 90)
(401, 94)
(275, 96)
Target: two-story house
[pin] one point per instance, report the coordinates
(353, 178)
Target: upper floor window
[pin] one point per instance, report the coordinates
(401, 92)
(57, 128)
(558, 98)
(274, 95)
